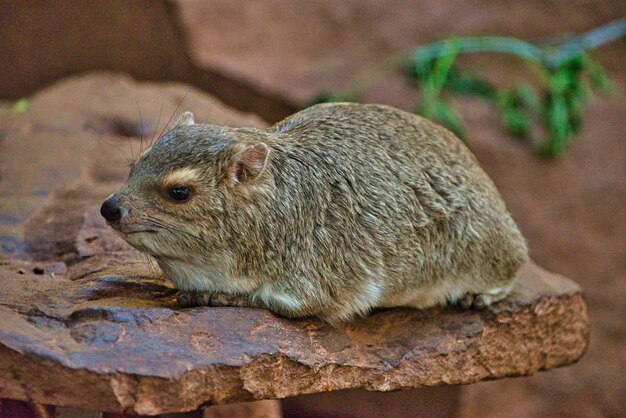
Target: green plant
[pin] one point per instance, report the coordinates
(20, 106)
(568, 76)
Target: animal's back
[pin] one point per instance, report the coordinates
(401, 202)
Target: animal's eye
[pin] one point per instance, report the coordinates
(179, 193)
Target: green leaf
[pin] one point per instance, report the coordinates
(443, 65)
(599, 80)
(556, 120)
(516, 123)
(569, 74)
(516, 105)
(558, 81)
(574, 111)
(470, 85)
(524, 96)
(20, 106)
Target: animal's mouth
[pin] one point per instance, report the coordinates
(137, 231)
(126, 230)
(143, 239)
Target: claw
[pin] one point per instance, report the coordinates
(480, 302)
(193, 299)
(183, 299)
(466, 301)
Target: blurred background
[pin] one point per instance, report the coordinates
(272, 57)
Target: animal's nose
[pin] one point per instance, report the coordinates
(111, 210)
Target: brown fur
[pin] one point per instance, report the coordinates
(334, 211)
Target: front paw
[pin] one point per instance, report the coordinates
(223, 299)
(186, 299)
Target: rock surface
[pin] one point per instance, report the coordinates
(86, 321)
(44, 42)
(112, 338)
(270, 57)
(291, 52)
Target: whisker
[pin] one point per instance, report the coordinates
(160, 224)
(129, 161)
(140, 127)
(158, 122)
(174, 113)
(132, 151)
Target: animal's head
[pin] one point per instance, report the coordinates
(180, 190)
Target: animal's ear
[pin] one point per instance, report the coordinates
(246, 165)
(185, 119)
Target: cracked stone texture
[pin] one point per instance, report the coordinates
(85, 321)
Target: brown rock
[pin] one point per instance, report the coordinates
(269, 57)
(43, 42)
(104, 332)
(292, 51)
(114, 340)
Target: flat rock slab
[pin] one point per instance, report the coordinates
(86, 321)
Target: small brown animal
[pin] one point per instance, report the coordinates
(336, 210)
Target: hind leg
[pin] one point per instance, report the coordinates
(484, 299)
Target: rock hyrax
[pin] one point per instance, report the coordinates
(336, 210)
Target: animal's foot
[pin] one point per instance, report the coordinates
(223, 299)
(480, 301)
(192, 299)
(187, 299)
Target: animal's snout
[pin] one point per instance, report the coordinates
(111, 210)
